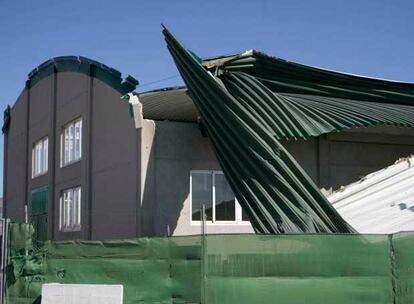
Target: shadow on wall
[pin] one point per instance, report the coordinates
(166, 185)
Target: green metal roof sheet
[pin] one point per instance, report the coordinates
(297, 83)
(249, 102)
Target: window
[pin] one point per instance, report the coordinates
(71, 142)
(211, 189)
(39, 157)
(70, 210)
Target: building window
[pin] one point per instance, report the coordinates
(211, 189)
(40, 157)
(70, 210)
(71, 142)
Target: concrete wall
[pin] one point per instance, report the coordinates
(356, 153)
(177, 148)
(173, 149)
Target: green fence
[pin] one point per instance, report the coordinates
(222, 268)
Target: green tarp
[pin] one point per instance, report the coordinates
(249, 101)
(294, 269)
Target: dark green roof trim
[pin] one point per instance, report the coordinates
(85, 66)
(6, 120)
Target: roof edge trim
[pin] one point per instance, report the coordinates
(85, 66)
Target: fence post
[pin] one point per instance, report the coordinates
(4, 260)
(203, 256)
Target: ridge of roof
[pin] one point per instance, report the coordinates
(217, 61)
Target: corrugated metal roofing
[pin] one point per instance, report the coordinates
(381, 202)
(169, 104)
(242, 117)
(303, 87)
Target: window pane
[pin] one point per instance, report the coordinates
(70, 209)
(201, 191)
(66, 146)
(66, 210)
(76, 205)
(78, 140)
(72, 142)
(224, 199)
(39, 157)
(45, 155)
(245, 217)
(34, 160)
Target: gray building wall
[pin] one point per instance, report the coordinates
(15, 161)
(107, 171)
(115, 167)
(173, 149)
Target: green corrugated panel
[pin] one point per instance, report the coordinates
(39, 200)
(241, 123)
(253, 100)
(289, 77)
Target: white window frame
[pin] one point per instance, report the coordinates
(76, 158)
(238, 218)
(42, 144)
(73, 221)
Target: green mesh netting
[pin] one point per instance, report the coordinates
(296, 268)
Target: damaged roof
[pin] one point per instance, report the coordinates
(244, 120)
(381, 202)
(248, 102)
(306, 84)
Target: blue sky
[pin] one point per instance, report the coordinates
(370, 37)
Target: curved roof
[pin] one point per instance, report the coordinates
(172, 104)
(284, 77)
(86, 66)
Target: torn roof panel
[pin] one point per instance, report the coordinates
(279, 74)
(381, 202)
(241, 117)
(304, 83)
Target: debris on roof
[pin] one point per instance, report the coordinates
(381, 202)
